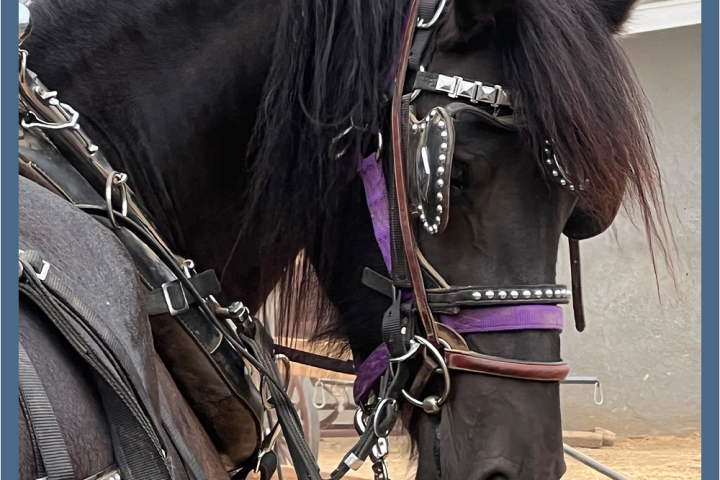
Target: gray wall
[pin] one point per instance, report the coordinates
(646, 351)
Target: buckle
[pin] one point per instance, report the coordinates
(169, 301)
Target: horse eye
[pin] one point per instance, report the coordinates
(460, 176)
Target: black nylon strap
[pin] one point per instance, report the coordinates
(400, 273)
(50, 442)
(422, 38)
(138, 449)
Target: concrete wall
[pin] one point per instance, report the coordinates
(646, 352)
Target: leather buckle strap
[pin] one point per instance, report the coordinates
(400, 188)
(171, 297)
(473, 362)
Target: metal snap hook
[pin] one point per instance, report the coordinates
(319, 387)
(598, 394)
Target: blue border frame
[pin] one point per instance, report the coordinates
(710, 246)
(9, 244)
(9, 223)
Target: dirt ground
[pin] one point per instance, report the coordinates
(638, 458)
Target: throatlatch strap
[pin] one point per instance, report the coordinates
(50, 442)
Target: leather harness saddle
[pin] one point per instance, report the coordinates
(57, 154)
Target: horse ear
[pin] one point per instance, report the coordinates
(616, 11)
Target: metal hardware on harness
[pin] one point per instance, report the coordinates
(286, 381)
(432, 403)
(268, 444)
(188, 267)
(379, 451)
(169, 300)
(477, 92)
(42, 274)
(116, 179)
(422, 24)
(67, 110)
(319, 387)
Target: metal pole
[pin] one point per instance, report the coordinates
(581, 457)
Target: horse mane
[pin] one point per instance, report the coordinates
(575, 85)
(332, 64)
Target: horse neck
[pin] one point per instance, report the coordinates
(169, 90)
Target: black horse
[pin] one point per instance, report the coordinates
(226, 116)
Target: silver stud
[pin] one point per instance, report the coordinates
(435, 228)
(439, 209)
(547, 151)
(547, 142)
(572, 188)
(92, 148)
(558, 293)
(442, 158)
(569, 293)
(563, 292)
(555, 173)
(514, 294)
(477, 295)
(490, 294)
(443, 134)
(425, 224)
(443, 147)
(441, 124)
(502, 294)
(538, 293)
(422, 127)
(548, 293)
(526, 293)
(403, 330)
(563, 182)
(433, 113)
(420, 208)
(422, 217)
(414, 128)
(440, 182)
(440, 170)
(439, 197)
(437, 220)
(548, 161)
(116, 476)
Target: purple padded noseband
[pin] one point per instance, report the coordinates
(471, 320)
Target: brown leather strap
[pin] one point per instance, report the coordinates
(398, 160)
(502, 367)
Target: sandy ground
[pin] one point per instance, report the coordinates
(638, 458)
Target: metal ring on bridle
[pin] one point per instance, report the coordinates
(376, 418)
(445, 372)
(116, 179)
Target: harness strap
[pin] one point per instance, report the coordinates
(49, 440)
(576, 279)
(171, 298)
(427, 11)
